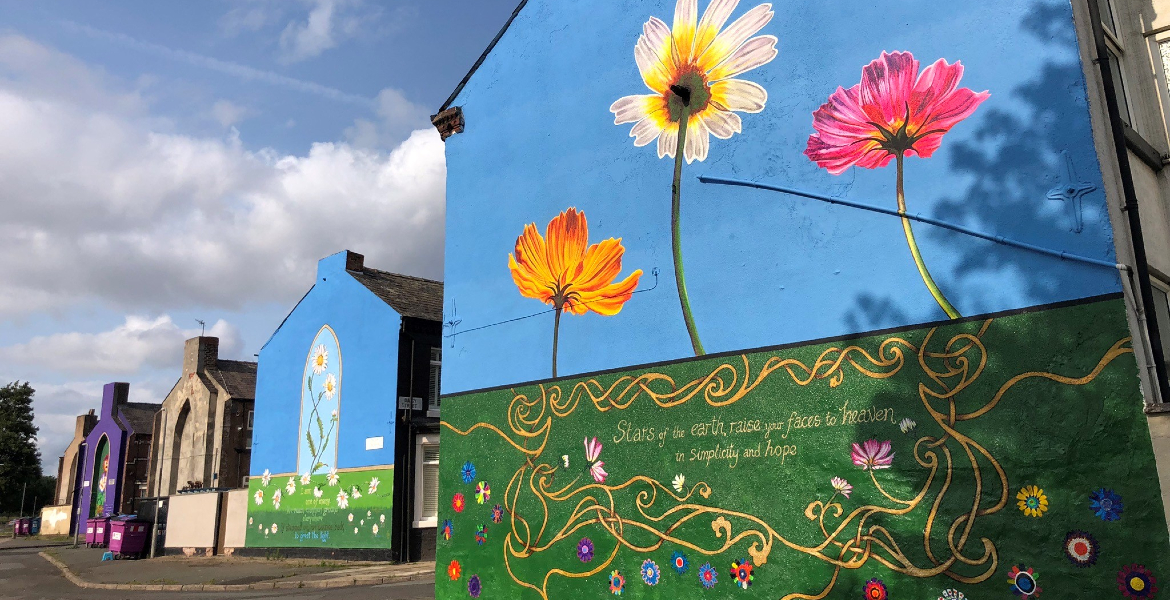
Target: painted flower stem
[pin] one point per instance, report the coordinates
(556, 333)
(675, 236)
(926, 278)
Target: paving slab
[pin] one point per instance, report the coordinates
(87, 564)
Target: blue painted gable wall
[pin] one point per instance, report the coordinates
(764, 268)
(367, 332)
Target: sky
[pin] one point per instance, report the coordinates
(163, 163)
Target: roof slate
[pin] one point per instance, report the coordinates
(237, 377)
(410, 296)
(138, 416)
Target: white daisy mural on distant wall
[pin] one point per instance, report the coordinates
(320, 406)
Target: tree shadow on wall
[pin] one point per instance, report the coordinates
(1015, 159)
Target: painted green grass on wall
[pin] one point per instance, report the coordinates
(983, 458)
(330, 510)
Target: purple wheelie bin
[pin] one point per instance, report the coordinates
(22, 525)
(97, 532)
(128, 537)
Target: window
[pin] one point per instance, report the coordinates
(1161, 292)
(433, 392)
(426, 486)
(1107, 16)
(1119, 86)
(251, 414)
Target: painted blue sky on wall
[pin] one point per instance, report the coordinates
(764, 268)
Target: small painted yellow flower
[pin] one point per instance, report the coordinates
(1032, 501)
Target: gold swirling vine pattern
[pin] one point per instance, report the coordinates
(843, 541)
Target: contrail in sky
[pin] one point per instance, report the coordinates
(228, 68)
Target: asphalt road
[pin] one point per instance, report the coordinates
(26, 576)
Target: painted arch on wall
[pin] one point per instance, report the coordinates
(320, 405)
(100, 479)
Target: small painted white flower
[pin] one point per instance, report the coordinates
(330, 387)
(373, 487)
(375, 529)
(907, 425)
(355, 493)
(351, 517)
(381, 518)
(265, 478)
(266, 531)
(333, 415)
(320, 359)
(249, 520)
(260, 527)
(362, 522)
(355, 529)
(342, 499)
(333, 478)
(274, 526)
(565, 459)
(678, 482)
(276, 499)
(291, 486)
(317, 493)
(306, 478)
(369, 513)
(259, 497)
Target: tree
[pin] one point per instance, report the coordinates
(20, 460)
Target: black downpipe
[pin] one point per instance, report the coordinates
(1117, 128)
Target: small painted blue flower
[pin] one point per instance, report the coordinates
(468, 472)
(678, 560)
(650, 572)
(1106, 504)
(707, 576)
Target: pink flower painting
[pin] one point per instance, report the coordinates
(597, 467)
(894, 112)
(873, 455)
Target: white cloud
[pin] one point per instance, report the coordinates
(328, 23)
(396, 118)
(227, 113)
(139, 342)
(101, 204)
(56, 406)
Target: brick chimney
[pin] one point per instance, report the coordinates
(200, 353)
(354, 261)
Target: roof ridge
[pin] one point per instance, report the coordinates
(373, 270)
(482, 57)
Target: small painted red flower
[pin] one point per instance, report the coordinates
(458, 502)
(894, 110)
(875, 589)
(454, 570)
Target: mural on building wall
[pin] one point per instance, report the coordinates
(944, 456)
(101, 479)
(320, 405)
(348, 509)
(934, 462)
(321, 505)
(561, 269)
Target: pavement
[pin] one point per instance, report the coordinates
(34, 570)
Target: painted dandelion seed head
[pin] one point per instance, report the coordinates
(693, 65)
(563, 270)
(893, 110)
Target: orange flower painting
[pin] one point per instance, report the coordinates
(562, 269)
